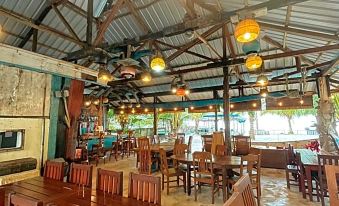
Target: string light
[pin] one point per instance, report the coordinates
(232, 106)
(160, 109)
(146, 110)
(175, 109)
(121, 112)
(301, 101)
(280, 104)
(210, 107)
(191, 107)
(254, 104)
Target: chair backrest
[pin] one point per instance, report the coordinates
(110, 181)
(181, 137)
(242, 144)
(235, 200)
(54, 170)
(143, 143)
(163, 161)
(180, 149)
(332, 178)
(81, 174)
(322, 161)
(203, 162)
(189, 144)
(290, 155)
(145, 161)
(217, 139)
(20, 200)
(207, 142)
(243, 187)
(97, 149)
(221, 150)
(253, 167)
(145, 188)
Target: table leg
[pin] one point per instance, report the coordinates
(309, 182)
(224, 184)
(188, 180)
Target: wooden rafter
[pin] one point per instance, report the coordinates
(137, 17)
(332, 68)
(285, 49)
(188, 52)
(287, 21)
(29, 22)
(208, 7)
(109, 17)
(188, 5)
(194, 42)
(64, 21)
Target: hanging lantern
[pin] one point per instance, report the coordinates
(263, 92)
(127, 72)
(187, 91)
(104, 75)
(146, 77)
(158, 63)
(253, 62)
(87, 102)
(180, 92)
(251, 47)
(247, 30)
(262, 80)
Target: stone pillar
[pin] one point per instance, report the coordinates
(326, 124)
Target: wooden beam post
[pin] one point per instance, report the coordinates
(227, 109)
(89, 22)
(35, 40)
(155, 118)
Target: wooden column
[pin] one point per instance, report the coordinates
(155, 118)
(35, 40)
(216, 117)
(227, 109)
(74, 105)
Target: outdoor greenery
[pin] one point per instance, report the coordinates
(335, 98)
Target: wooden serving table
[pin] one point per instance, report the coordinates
(225, 162)
(52, 192)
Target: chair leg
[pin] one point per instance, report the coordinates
(288, 179)
(195, 190)
(167, 185)
(212, 188)
(178, 180)
(163, 182)
(184, 181)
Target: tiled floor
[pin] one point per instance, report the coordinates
(274, 191)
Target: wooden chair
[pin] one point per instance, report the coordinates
(81, 174)
(203, 173)
(145, 188)
(322, 187)
(170, 172)
(235, 200)
(97, 153)
(217, 139)
(242, 145)
(253, 169)
(243, 187)
(180, 149)
(189, 144)
(145, 161)
(221, 150)
(54, 170)
(110, 181)
(20, 200)
(207, 142)
(332, 174)
(291, 169)
(115, 150)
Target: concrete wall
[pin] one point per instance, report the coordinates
(25, 104)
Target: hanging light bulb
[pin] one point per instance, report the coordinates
(174, 89)
(247, 30)
(210, 107)
(263, 92)
(146, 110)
(262, 80)
(146, 77)
(121, 112)
(160, 109)
(232, 106)
(191, 107)
(133, 110)
(138, 105)
(96, 102)
(175, 109)
(105, 100)
(254, 105)
(87, 102)
(122, 106)
(187, 91)
(157, 63)
(253, 62)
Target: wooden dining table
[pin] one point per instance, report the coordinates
(52, 192)
(225, 162)
(310, 161)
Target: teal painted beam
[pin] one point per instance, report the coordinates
(207, 102)
(54, 110)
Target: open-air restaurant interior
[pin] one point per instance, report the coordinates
(169, 102)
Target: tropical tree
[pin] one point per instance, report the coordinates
(252, 117)
(290, 114)
(335, 99)
(196, 117)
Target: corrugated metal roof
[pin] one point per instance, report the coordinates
(315, 15)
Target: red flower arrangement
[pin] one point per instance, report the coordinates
(313, 145)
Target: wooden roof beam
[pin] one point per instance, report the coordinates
(332, 68)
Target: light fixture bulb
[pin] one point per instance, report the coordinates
(187, 91)
(262, 80)
(123, 106)
(210, 107)
(146, 110)
(96, 102)
(254, 105)
(280, 104)
(232, 106)
(191, 107)
(138, 105)
(263, 92)
(158, 63)
(175, 109)
(160, 109)
(247, 30)
(301, 101)
(146, 77)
